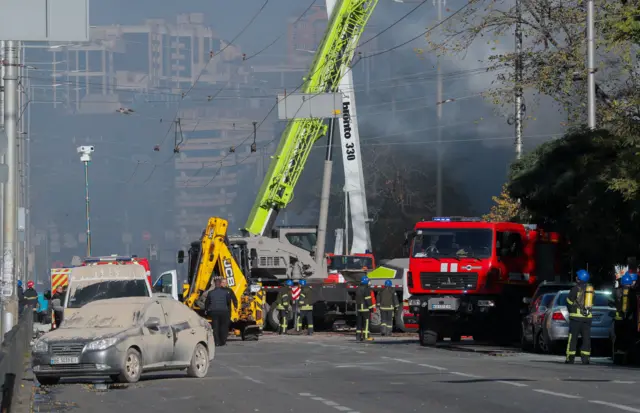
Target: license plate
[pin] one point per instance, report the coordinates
(441, 307)
(65, 360)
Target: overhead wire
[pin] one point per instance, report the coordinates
(440, 23)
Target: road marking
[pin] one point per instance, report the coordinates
(319, 399)
(615, 405)
(333, 404)
(513, 383)
(623, 382)
(343, 408)
(429, 366)
(330, 403)
(305, 394)
(402, 361)
(552, 393)
(457, 373)
(253, 380)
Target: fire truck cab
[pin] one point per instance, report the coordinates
(469, 277)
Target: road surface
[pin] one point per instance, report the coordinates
(333, 373)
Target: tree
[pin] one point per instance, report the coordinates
(553, 53)
(506, 208)
(570, 185)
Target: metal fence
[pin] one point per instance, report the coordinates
(13, 353)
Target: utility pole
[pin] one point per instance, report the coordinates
(85, 157)
(324, 195)
(9, 306)
(591, 66)
(440, 149)
(518, 79)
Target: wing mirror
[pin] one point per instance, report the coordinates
(180, 257)
(526, 300)
(153, 323)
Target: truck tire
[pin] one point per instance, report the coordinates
(398, 321)
(375, 322)
(428, 338)
(272, 318)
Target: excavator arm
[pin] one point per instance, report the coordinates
(331, 62)
(216, 260)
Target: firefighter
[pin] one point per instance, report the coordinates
(31, 296)
(283, 305)
(579, 304)
(306, 307)
(624, 325)
(364, 305)
(388, 306)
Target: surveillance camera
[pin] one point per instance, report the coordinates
(85, 149)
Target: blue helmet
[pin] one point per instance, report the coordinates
(289, 283)
(388, 283)
(302, 282)
(626, 280)
(634, 276)
(19, 283)
(583, 276)
(364, 280)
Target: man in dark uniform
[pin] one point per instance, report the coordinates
(389, 304)
(20, 292)
(579, 303)
(218, 307)
(30, 296)
(283, 305)
(364, 305)
(57, 304)
(306, 307)
(624, 324)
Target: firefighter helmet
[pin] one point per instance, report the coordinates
(626, 280)
(302, 282)
(583, 276)
(364, 280)
(388, 283)
(289, 283)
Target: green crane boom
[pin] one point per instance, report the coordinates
(331, 62)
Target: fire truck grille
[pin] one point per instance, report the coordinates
(449, 280)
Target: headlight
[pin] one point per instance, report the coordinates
(101, 344)
(414, 302)
(40, 346)
(255, 288)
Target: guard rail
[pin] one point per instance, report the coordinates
(14, 352)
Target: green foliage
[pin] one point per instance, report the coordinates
(553, 55)
(584, 186)
(505, 208)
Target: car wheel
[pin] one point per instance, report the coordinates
(525, 345)
(48, 380)
(199, 362)
(542, 345)
(132, 369)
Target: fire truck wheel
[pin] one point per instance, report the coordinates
(272, 318)
(428, 338)
(375, 322)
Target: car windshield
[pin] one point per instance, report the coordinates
(601, 300)
(452, 243)
(345, 262)
(306, 241)
(84, 292)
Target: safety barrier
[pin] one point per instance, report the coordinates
(13, 353)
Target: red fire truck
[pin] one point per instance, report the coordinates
(468, 277)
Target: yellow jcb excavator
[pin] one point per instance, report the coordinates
(211, 257)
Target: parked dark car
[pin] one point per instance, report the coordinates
(532, 322)
(546, 287)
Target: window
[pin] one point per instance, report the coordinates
(343, 262)
(84, 292)
(509, 244)
(452, 243)
(304, 241)
(164, 284)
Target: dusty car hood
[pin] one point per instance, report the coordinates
(81, 334)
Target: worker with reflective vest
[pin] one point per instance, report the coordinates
(579, 304)
(388, 303)
(364, 305)
(624, 324)
(283, 305)
(306, 307)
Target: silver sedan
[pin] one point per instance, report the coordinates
(555, 331)
(123, 337)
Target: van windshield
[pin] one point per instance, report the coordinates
(452, 243)
(84, 292)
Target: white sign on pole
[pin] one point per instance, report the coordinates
(44, 20)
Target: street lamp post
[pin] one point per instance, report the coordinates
(85, 157)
